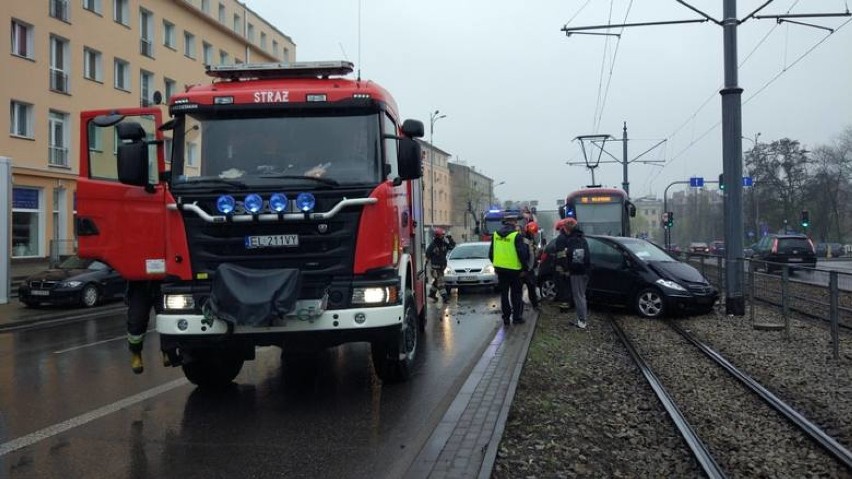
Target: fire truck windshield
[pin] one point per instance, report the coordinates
(334, 149)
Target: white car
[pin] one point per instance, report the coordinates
(468, 266)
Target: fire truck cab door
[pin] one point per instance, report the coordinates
(121, 224)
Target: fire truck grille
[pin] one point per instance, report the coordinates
(325, 253)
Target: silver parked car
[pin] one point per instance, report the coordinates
(468, 266)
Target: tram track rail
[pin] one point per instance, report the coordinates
(696, 444)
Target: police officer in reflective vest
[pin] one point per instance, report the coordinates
(509, 255)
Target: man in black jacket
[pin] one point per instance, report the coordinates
(572, 252)
(436, 257)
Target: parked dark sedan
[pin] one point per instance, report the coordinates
(774, 251)
(640, 275)
(76, 281)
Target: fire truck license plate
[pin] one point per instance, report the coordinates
(272, 241)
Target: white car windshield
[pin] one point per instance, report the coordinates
(470, 251)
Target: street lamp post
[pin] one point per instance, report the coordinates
(433, 118)
(491, 192)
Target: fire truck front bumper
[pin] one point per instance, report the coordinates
(342, 320)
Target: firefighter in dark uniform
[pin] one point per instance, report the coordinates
(509, 255)
(140, 298)
(436, 258)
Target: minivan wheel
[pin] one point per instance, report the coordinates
(548, 289)
(650, 303)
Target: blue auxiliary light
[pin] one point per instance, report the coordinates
(305, 202)
(278, 202)
(253, 203)
(570, 213)
(226, 204)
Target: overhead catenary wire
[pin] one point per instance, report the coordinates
(611, 68)
(601, 75)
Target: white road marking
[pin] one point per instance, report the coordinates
(90, 344)
(50, 431)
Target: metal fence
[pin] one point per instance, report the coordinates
(823, 293)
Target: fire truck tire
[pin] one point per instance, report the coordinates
(393, 359)
(214, 369)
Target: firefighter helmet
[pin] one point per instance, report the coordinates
(439, 232)
(532, 228)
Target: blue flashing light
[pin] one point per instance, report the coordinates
(226, 204)
(305, 202)
(570, 212)
(495, 211)
(278, 202)
(253, 203)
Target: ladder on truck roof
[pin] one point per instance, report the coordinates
(280, 70)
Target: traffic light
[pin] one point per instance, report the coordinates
(721, 181)
(670, 220)
(806, 220)
(665, 220)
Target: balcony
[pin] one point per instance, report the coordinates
(58, 80)
(58, 156)
(146, 47)
(59, 9)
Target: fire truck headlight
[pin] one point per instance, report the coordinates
(278, 202)
(375, 295)
(305, 202)
(253, 203)
(178, 301)
(226, 203)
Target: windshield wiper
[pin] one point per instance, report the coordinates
(218, 181)
(325, 181)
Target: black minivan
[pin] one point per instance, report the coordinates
(640, 275)
(777, 250)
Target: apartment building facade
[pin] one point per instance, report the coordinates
(472, 192)
(437, 189)
(65, 56)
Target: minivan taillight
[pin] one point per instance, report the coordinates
(774, 245)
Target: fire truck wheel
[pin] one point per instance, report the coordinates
(393, 359)
(213, 369)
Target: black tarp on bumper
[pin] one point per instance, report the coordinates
(253, 297)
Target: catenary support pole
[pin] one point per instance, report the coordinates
(5, 221)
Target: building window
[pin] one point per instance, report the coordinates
(93, 6)
(221, 13)
(58, 64)
(263, 40)
(250, 32)
(275, 48)
(92, 68)
(26, 218)
(22, 39)
(146, 81)
(191, 153)
(169, 34)
(146, 33)
(205, 6)
(58, 139)
(59, 9)
(21, 119)
(168, 143)
(286, 55)
(189, 44)
(207, 53)
(122, 75)
(237, 24)
(121, 12)
(169, 88)
(223, 57)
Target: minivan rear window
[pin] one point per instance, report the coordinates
(787, 245)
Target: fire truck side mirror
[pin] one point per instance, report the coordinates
(409, 162)
(132, 154)
(413, 128)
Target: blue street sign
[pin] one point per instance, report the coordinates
(748, 181)
(696, 182)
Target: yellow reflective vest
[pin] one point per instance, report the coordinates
(505, 254)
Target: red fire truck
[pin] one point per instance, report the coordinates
(280, 205)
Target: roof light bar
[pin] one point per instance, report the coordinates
(280, 70)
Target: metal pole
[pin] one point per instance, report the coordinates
(833, 311)
(732, 165)
(5, 234)
(785, 291)
(433, 118)
(625, 184)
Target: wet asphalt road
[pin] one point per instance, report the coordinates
(70, 407)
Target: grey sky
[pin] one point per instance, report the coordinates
(516, 91)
